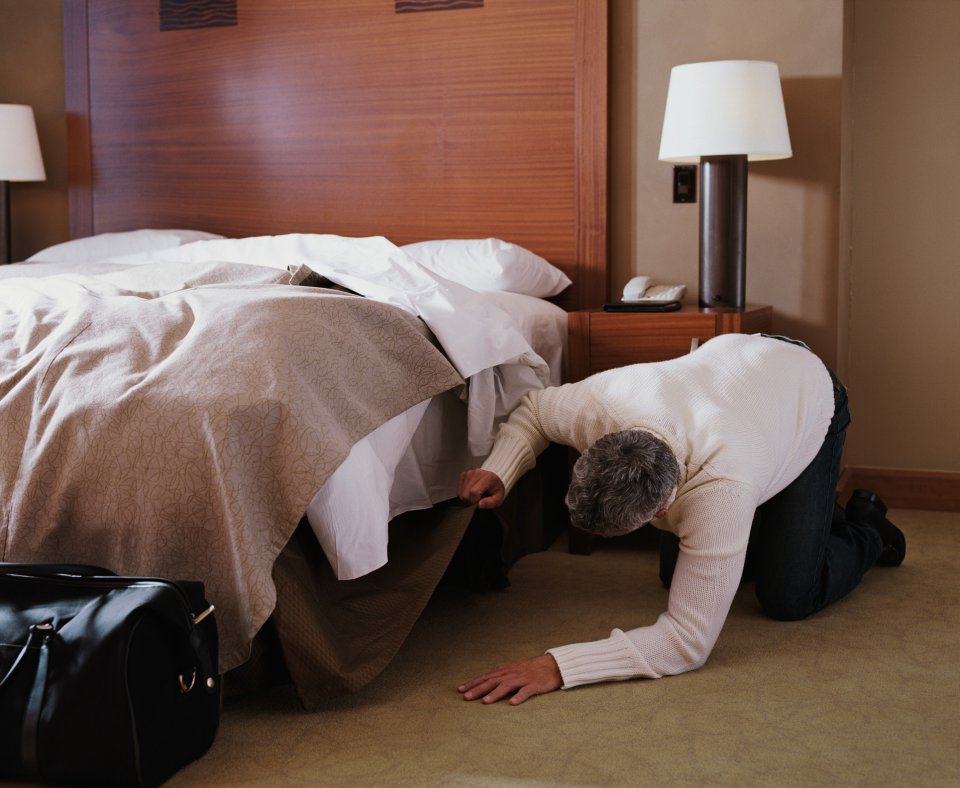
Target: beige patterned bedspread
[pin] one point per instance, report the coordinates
(176, 420)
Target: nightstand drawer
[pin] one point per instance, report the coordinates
(620, 339)
(601, 340)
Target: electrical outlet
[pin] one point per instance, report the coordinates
(685, 183)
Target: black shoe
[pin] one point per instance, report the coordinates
(866, 508)
(866, 499)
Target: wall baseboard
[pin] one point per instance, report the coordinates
(903, 489)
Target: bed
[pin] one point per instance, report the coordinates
(344, 173)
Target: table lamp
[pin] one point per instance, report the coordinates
(723, 114)
(20, 160)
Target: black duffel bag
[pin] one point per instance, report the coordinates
(104, 680)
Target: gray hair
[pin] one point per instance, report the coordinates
(621, 482)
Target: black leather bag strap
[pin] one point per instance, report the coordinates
(16, 663)
(40, 634)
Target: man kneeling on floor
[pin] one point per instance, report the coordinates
(733, 451)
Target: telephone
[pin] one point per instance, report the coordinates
(642, 288)
(641, 295)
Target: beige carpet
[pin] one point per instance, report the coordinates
(865, 693)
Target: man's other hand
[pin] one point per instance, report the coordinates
(523, 680)
(482, 488)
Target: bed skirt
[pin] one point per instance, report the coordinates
(331, 637)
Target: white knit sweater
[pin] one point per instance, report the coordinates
(744, 415)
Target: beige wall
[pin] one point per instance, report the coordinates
(793, 205)
(31, 72)
(904, 208)
(851, 240)
(848, 241)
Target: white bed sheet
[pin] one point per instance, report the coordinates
(414, 460)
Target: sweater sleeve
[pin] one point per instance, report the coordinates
(519, 442)
(713, 523)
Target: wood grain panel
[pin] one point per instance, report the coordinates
(76, 82)
(600, 340)
(752, 320)
(345, 117)
(590, 116)
(621, 339)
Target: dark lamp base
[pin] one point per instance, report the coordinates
(723, 231)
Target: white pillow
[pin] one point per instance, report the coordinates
(104, 245)
(489, 264)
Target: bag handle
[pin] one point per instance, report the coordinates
(31, 717)
(31, 636)
(52, 570)
(39, 634)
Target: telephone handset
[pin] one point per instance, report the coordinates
(640, 294)
(642, 288)
(636, 287)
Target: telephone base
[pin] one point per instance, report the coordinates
(652, 305)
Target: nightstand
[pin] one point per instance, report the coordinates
(601, 340)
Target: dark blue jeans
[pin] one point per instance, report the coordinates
(803, 552)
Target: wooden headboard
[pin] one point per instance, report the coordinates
(346, 117)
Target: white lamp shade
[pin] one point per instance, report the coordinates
(20, 158)
(725, 108)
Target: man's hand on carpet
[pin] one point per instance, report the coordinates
(523, 679)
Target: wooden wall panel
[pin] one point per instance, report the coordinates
(345, 117)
